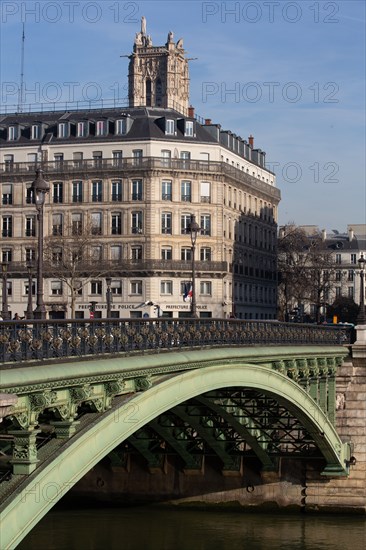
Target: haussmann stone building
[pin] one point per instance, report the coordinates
(136, 175)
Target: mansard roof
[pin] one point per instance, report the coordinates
(145, 123)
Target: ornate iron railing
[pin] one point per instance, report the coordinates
(22, 341)
(119, 167)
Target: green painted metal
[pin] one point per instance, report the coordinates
(243, 430)
(76, 457)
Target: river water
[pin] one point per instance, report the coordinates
(143, 528)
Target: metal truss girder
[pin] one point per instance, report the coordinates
(276, 429)
(191, 461)
(154, 460)
(229, 462)
(242, 430)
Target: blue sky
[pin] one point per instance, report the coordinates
(292, 74)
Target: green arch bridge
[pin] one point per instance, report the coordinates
(76, 392)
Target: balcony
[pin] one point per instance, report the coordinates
(106, 167)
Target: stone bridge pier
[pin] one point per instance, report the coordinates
(348, 494)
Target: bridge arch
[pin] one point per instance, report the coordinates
(52, 480)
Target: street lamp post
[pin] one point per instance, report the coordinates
(5, 309)
(193, 229)
(29, 312)
(40, 188)
(361, 317)
(109, 296)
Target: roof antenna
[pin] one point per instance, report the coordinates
(21, 88)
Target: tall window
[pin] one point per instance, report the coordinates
(166, 287)
(35, 131)
(7, 255)
(117, 158)
(353, 259)
(166, 223)
(116, 253)
(58, 188)
(136, 287)
(96, 222)
(7, 196)
(116, 287)
(116, 228)
(77, 191)
(30, 255)
(170, 127)
(185, 191)
(13, 133)
(97, 158)
(96, 287)
(338, 258)
(58, 158)
(101, 128)
(206, 224)
(8, 161)
(7, 226)
(63, 130)
(136, 222)
(78, 159)
(166, 158)
(189, 128)
(30, 226)
(57, 224)
(56, 288)
(136, 253)
(76, 223)
(205, 254)
(116, 190)
(121, 126)
(166, 253)
(205, 288)
(96, 253)
(82, 129)
(186, 253)
(185, 220)
(137, 157)
(97, 191)
(186, 157)
(205, 191)
(166, 190)
(137, 190)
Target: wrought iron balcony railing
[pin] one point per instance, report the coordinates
(110, 166)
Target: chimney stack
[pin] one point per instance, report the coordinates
(324, 235)
(351, 234)
(251, 141)
(191, 111)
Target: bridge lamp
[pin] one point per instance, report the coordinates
(29, 312)
(108, 280)
(5, 309)
(361, 317)
(193, 228)
(40, 188)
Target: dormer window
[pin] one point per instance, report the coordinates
(13, 133)
(121, 126)
(188, 131)
(82, 129)
(35, 131)
(101, 128)
(63, 130)
(170, 127)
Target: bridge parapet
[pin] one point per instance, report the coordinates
(39, 340)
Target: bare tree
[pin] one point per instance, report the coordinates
(306, 271)
(74, 257)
